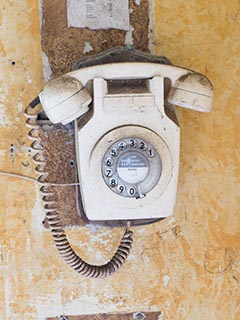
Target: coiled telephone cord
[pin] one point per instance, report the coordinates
(55, 225)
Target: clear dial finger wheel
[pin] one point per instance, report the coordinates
(131, 167)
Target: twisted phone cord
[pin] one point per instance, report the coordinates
(55, 225)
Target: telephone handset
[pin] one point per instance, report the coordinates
(127, 143)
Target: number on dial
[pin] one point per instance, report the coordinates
(132, 143)
(113, 182)
(151, 153)
(109, 162)
(121, 188)
(108, 173)
(131, 191)
(114, 152)
(143, 145)
(122, 145)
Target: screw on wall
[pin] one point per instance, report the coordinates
(12, 151)
(20, 149)
(139, 316)
(72, 163)
(63, 318)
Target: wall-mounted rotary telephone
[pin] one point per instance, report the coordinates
(127, 138)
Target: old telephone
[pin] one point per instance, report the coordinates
(127, 142)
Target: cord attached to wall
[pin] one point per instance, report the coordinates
(20, 176)
(58, 233)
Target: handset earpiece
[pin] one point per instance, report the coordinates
(192, 91)
(64, 99)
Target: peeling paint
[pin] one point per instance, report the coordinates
(129, 36)
(47, 72)
(2, 153)
(87, 48)
(29, 79)
(166, 280)
(94, 228)
(151, 27)
(138, 2)
(7, 297)
(4, 120)
(38, 214)
(49, 305)
(20, 105)
(160, 316)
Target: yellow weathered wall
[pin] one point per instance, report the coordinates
(186, 266)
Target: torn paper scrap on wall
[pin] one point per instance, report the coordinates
(98, 14)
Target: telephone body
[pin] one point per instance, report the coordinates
(127, 145)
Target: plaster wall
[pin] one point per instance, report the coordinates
(187, 266)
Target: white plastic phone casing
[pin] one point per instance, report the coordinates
(117, 116)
